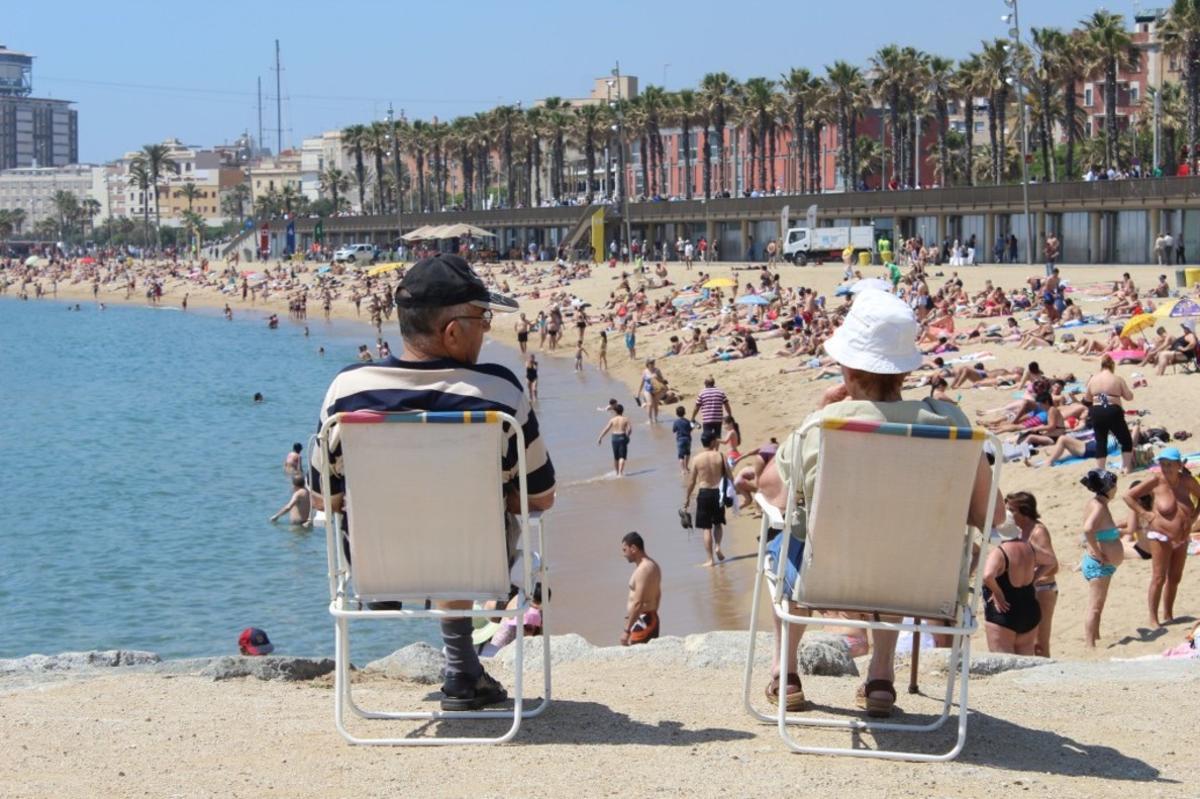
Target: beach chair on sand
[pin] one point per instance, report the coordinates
(886, 537)
(424, 499)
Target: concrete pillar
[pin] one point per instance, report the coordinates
(896, 236)
(1156, 215)
(1094, 253)
(983, 253)
(745, 230)
(710, 232)
(943, 227)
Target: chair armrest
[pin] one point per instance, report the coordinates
(773, 514)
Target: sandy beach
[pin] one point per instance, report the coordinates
(768, 404)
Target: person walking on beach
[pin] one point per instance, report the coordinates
(645, 593)
(602, 356)
(1103, 551)
(704, 479)
(653, 383)
(621, 428)
(531, 377)
(712, 405)
(682, 428)
(444, 311)
(522, 328)
(1024, 510)
(299, 506)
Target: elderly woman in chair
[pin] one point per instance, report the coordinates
(876, 349)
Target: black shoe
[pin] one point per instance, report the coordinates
(460, 692)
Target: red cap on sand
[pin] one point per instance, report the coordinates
(254, 641)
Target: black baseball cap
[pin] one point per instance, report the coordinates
(443, 280)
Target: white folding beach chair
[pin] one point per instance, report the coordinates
(424, 498)
(886, 536)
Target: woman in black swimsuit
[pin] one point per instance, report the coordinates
(1012, 611)
(531, 374)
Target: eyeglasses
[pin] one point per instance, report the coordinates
(484, 318)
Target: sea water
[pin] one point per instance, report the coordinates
(140, 476)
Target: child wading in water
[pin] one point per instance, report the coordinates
(1103, 551)
(602, 357)
(579, 353)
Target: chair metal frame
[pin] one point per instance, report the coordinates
(345, 605)
(961, 624)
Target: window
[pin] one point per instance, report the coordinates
(1134, 94)
(1087, 96)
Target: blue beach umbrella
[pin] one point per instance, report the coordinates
(752, 299)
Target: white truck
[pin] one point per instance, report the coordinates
(804, 245)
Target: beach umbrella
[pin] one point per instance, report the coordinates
(752, 299)
(1138, 323)
(1179, 309)
(375, 271)
(31, 260)
(720, 283)
(87, 259)
(684, 300)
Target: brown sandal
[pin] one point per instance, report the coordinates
(876, 707)
(795, 698)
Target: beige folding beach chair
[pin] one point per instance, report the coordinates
(424, 496)
(886, 536)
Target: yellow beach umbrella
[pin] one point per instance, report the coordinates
(375, 271)
(720, 283)
(1138, 323)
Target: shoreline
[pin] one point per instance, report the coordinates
(767, 404)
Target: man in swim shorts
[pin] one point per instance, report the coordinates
(620, 427)
(645, 593)
(704, 478)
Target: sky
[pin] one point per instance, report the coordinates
(141, 72)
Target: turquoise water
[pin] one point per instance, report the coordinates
(141, 476)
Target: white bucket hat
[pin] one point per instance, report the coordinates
(879, 335)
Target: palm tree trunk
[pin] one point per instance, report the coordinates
(814, 159)
(1069, 107)
(969, 124)
(894, 115)
(378, 182)
(360, 171)
(420, 180)
(687, 158)
(943, 153)
(1193, 102)
(589, 155)
(851, 127)
(762, 156)
(707, 162)
(1110, 112)
(992, 139)
(799, 146)
(719, 125)
(645, 159)
(1044, 129)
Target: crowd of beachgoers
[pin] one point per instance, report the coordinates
(1083, 367)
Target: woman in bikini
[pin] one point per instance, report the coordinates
(1023, 507)
(1103, 552)
(1176, 497)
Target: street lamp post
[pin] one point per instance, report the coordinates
(1015, 33)
(621, 158)
(395, 139)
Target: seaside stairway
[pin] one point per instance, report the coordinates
(583, 225)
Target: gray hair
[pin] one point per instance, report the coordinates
(417, 324)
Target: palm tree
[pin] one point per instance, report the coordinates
(996, 64)
(686, 110)
(356, 139)
(1173, 117)
(887, 84)
(590, 121)
(503, 119)
(235, 201)
(716, 90)
(940, 76)
(798, 86)
(535, 121)
(89, 209)
(1073, 68)
(1112, 50)
(968, 79)
(758, 95)
(157, 160)
(554, 110)
(379, 144)
(66, 205)
(1180, 34)
(10, 222)
(139, 177)
(847, 84)
(1048, 44)
(437, 137)
(334, 182)
(189, 191)
(820, 111)
(418, 141)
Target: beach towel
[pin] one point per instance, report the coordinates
(1113, 449)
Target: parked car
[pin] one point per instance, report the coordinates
(355, 253)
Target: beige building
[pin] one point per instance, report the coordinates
(32, 189)
(274, 173)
